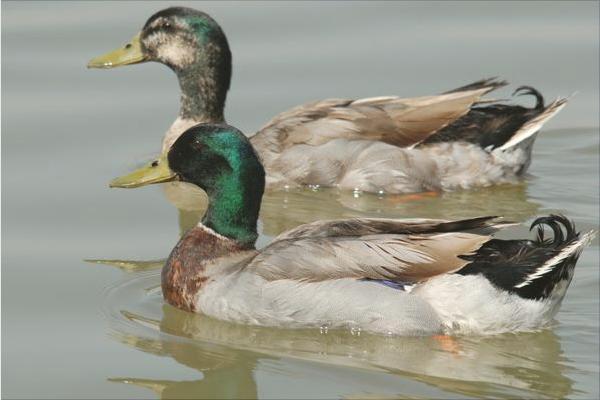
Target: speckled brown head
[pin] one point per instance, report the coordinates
(194, 46)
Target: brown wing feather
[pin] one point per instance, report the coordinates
(407, 250)
(398, 121)
(396, 257)
(373, 226)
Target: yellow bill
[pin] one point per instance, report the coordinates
(156, 171)
(131, 53)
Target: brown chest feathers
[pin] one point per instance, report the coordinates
(187, 269)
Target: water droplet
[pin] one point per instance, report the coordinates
(355, 331)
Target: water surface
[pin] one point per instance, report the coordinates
(71, 329)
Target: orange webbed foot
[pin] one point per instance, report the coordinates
(448, 343)
(405, 198)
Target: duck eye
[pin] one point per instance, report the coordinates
(167, 25)
(197, 145)
(154, 163)
(128, 45)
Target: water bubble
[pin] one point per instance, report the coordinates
(324, 329)
(355, 331)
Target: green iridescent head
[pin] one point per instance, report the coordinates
(208, 155)
(220, 160)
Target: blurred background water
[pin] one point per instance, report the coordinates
(76, 330)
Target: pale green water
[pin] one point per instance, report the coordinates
(72, 329)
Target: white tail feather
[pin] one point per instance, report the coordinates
(574, 248)
(535, 124)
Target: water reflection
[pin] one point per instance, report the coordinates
(222, 373)
(227, 355)
(283, 210)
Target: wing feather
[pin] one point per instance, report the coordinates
(406, 250)
(371, 226)
(408, 258)
(399, 121)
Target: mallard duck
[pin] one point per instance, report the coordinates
(396, 276)
(389, 144)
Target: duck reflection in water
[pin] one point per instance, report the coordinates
(224, 373)
(228, 356)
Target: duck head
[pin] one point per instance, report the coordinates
(219, 159)
(194, 46)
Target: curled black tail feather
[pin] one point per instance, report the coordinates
(492, 125)
(557, 223)
(530, 269)
(528, 90)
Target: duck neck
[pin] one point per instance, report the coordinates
(234, 205)
(204, 85)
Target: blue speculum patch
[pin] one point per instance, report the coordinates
(388, 283)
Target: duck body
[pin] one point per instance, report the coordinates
(240, 287)
(395, 145)
(455, 140)
(390, 276)
(377, 167)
